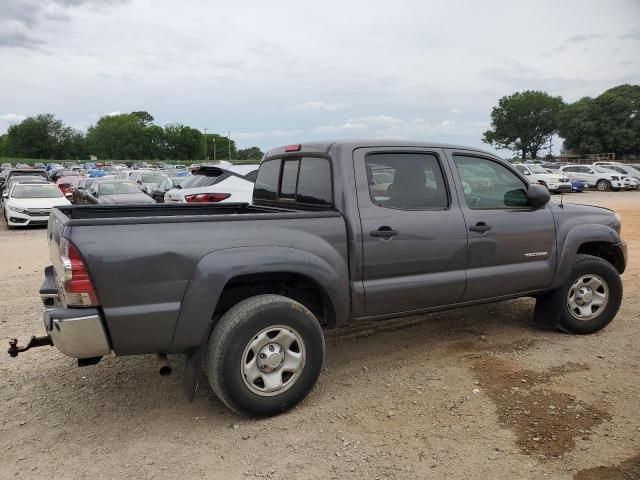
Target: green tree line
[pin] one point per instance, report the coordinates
(525, 122)
(124, 136)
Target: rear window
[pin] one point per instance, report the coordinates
(198, 180)
(266, 187)
(304, 180)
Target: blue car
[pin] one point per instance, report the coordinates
(578, 185)
(97, 173)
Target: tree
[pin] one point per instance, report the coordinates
(523, 122)
(251, 153)
(607, 123)
(182, 142)
(220, 144)
(44, 136)
(125, 136)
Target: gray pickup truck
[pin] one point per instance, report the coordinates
(337, 232)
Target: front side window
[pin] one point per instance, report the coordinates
(489, 185)
(406, 181)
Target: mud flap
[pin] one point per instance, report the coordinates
(549, 309)
(192, 371)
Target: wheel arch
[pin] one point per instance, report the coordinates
(593, 239)
(225, 277)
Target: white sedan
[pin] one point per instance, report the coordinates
(30, 203)
(216, 184)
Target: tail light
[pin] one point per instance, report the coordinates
(65, 188)
(76, 282)
(206, 197)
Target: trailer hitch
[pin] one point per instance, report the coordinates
(14, 350)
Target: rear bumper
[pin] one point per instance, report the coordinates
(76, 332)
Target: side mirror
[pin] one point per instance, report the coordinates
(537, 195)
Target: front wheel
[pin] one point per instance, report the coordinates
(603, 185)
(265, 355)
(592, 296)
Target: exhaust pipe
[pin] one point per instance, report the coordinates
(164, 368)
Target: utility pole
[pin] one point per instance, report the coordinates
(214, 149)
(229, 137)
(205, 145)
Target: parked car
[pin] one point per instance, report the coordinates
(578, 185)
(626, 170)
(595, 176)
(231, 183)
(164, 186)
(535, 173)
(67, 184)
(6, 165)
(109, 192)
(147, 180)
(79, 191)
(30, 203)
(21, 172)
(242, 290)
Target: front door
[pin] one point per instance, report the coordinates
(414, 238)
(511, 245)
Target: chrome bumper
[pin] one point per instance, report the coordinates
(77, 334)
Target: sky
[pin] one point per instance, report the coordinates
(281, 72)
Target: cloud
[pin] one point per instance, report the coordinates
(317, 106)
(455, 111)
(574, 40)
(8, 119)
(18, 39)
(631, 34)
(19, 18)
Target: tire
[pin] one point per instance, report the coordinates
(603, 185)
(587, 271)
(244, 335)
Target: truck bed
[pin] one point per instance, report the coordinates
(175, 213)
(146, 260)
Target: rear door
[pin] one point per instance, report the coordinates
(511, 245)
(414, 238)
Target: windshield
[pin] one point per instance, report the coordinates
(36, 191)
(118, 188)
(152, 177)
(178, 180)
(538, 169)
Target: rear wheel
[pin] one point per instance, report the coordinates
(603, 185)
(591, 296)
(265, 355)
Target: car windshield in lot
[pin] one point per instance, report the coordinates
(36, 191)
(153, 177)
(118, 188)
(537, 168)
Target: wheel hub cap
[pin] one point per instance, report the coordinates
(270, 357)
(273, 360)
(587, 297)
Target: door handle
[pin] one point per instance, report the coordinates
(384, 232)
(480, 227)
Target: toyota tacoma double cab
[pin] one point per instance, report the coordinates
(337, 232)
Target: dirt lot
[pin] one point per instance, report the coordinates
(475, 394)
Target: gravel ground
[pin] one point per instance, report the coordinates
(475, 393)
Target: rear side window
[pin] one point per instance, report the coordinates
(304, 180)
(406, 181)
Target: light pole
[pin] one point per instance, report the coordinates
(229, 136)
(205, 144)
(214, 149)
